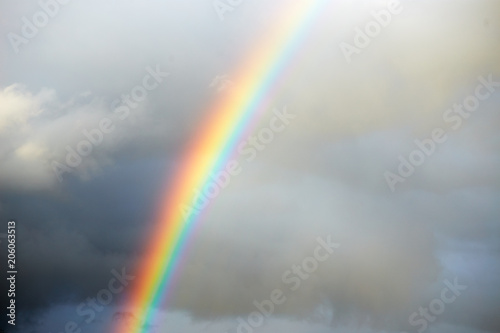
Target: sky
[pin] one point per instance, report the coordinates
(368, 193)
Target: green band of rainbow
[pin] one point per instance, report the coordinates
(209, 151)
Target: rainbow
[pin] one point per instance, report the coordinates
(210, 149)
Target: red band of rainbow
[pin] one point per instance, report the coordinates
(227, 121)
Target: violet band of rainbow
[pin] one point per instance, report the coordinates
(228, 119)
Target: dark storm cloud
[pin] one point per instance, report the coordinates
(69, 241)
